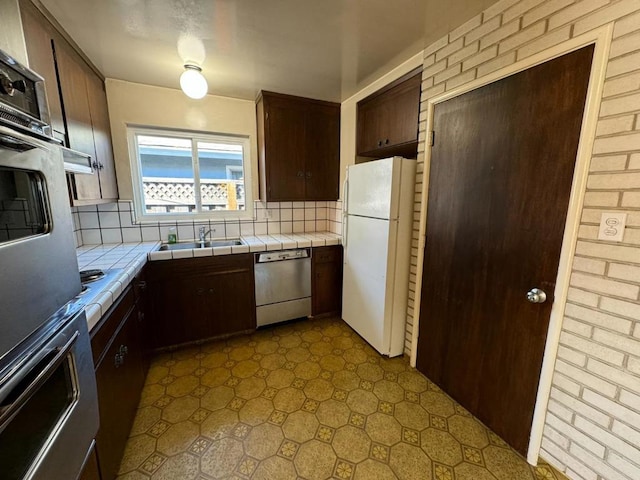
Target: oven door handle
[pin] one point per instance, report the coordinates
(13, 395)
(15, 142)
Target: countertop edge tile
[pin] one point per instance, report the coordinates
(254, 243)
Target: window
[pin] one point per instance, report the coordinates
(189, 175)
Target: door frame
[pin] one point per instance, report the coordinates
(601, 38)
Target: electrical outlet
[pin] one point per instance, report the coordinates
(612, 226)
(268, 214)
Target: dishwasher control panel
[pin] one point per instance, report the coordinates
(280, 255)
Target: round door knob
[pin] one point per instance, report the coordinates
(535, 295)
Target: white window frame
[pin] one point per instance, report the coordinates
(195, 137)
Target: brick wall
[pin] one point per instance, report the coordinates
(592, 428)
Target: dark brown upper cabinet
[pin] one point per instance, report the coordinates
(39, 35)
(77, 104)
(387, 122)
(298, 147)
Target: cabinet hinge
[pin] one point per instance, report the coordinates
(431, 140)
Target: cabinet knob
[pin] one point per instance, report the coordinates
(308, 174)
(379, 143)
(119, 360)
(100, 166)
(142, 285)
(300, 173)
(386, 142)
(95, 165)
(123, 350)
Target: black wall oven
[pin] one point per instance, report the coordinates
(48, 400)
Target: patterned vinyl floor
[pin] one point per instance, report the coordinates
(307, 400)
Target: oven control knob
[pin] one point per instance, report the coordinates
(20, 85)
(6, 85)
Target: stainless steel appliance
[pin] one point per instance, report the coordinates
(48, 401)
(48, 406)
(283, 285)
(37, 249)
(23, 101)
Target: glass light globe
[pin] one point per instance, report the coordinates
(193, 83)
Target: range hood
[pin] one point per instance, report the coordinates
(76, 162)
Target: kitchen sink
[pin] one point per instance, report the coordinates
(208, 244)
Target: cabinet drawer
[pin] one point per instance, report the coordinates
(327, 254)
(104, 330)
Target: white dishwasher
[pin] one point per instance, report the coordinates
(283, 285)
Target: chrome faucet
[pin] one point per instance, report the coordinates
(202, 234)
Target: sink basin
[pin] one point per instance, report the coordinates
(209, 244)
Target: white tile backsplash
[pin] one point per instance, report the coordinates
(114, 222)
(88, 220)
(109, 219)
(111, 235)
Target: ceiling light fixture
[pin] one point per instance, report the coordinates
(193, 83)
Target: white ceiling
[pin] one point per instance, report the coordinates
(326, 49)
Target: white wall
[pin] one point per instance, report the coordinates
(11, 36)
(592, 423)
(145, 105)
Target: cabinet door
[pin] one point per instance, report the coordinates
(90, 470)
(102, 136)
(326, 272)
(38, 35)
(232, 307)
(370, 125)
(322, 146)
(198, 298)
(387, 121)
(75, 101)
(118, 394)
(401, 125)
(178, 306)
(284, 150)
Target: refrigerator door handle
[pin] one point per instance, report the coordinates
(345, 223)
(345, 190)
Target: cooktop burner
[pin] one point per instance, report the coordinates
(87, 276)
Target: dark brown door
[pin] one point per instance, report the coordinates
(102, 137)
(322, 156)
(90, 470)
(38, 34)
(75, 102)
(326, 276)
(500, 180)
(285, 150)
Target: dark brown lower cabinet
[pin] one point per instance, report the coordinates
(194, 299)
(326, 286)
(118, 354)
(90, 471)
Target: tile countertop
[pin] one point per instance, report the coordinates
(127, 259)
(258, 243)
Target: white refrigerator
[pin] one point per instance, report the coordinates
(377, 223)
